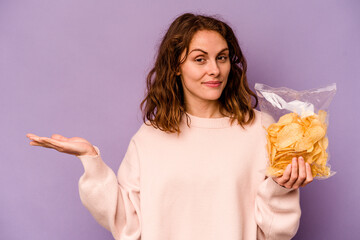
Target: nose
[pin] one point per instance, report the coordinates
(213, 68)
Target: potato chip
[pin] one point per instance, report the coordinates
(295, 136)
(289, 134)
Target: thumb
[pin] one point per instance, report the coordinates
(59, 137)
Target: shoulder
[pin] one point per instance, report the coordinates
(146, 132)
(265, 118)
(143, 129)
(257, 113)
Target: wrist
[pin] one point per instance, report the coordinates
(90, 153)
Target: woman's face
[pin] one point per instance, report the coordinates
(207, 61)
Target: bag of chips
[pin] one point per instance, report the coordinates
(296, 124)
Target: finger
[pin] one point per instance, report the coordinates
(30, 135)
(34, 143)
(38, 139)
(59, 137)
(309, 176)
(302, 173)
(34, 138)
(286, 175)
(49, 143)
(294, 174)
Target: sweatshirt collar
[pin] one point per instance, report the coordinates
(199, 122)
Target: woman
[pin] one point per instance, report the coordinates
(195, 168)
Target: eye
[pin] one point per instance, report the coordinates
(200, 60)
(223, 58)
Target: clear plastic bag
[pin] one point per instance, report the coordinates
(296, 123)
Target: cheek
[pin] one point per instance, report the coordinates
(192, 73)
(226, 72)
(227, 68)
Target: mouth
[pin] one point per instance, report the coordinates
(212, 83)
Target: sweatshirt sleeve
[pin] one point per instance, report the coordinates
(114, 201)
(277, 211)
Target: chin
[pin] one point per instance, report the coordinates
(213, 98)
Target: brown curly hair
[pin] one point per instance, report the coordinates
(164, 100)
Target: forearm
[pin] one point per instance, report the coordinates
(98, 190)
(277, 211)
(114, 201)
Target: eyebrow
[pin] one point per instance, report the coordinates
(198, 49)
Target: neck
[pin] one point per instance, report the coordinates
(205, 111)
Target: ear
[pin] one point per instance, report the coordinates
(178, 71)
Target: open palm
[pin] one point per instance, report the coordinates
(76, 146)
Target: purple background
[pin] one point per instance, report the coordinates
(78, 68)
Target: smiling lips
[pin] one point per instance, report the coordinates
(212, 83)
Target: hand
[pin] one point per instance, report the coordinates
(76, 146)
(297, 174)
